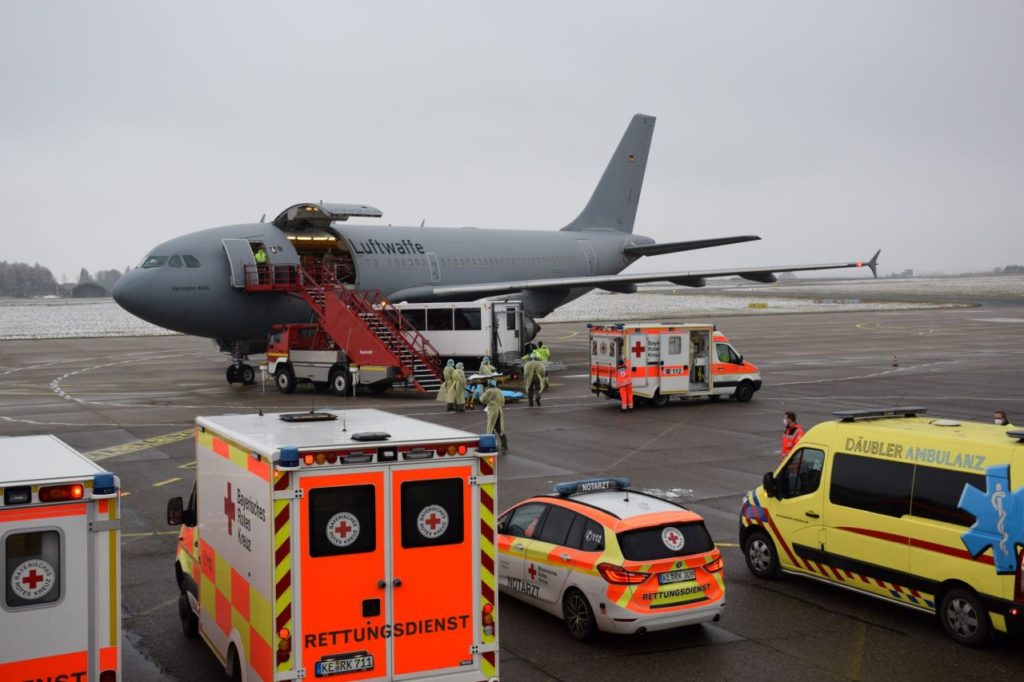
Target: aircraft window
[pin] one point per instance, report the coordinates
(467, 318)
(174, 262)
(191, 261)
(154, 262)
(439, 319)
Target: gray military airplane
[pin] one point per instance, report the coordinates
(195, 284)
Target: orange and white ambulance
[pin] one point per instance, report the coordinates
(60, 546)
(355, 543)
(685, 360)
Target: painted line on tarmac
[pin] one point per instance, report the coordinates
(567, 336)
(169, 480)
(137, 445)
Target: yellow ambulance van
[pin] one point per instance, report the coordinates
(924, 512)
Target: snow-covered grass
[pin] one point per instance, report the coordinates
(70, 318)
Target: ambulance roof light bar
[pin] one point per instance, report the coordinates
(853, 415)
(590, 485)
(288, 459)
(103, 486)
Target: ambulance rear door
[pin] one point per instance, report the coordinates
(675, 360)
(642, 353)
(342, 538)
(45, 618)
(604, 354)
(389, 570)
(434, 567)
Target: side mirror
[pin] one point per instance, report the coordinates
(739, 360)
(768, 483)
(175, 511)
(502, 526)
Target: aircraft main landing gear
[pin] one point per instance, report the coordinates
(239, 372)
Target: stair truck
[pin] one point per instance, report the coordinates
(351, 543)
(60, 546)
(665, 360)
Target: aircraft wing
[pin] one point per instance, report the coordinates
(623, 283)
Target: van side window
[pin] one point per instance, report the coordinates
(802, 473)
(439, 319)
(726, 353)
(675, 345)
(872, 485)
(342, 520)
(32, 563)
(937, 493)
(468, 318)
(432, 512)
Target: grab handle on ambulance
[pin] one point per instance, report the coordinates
(813, 515)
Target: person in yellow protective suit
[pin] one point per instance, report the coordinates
(494, 399)
(444, 393)
(459, 387)
(542, 351)
(535, 375)
(485, 368)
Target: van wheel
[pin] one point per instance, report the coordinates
(964, 618)
(189, 620)
(339, 382)
(660, 400)
(744, 392)
(578, 616)
(762, 559)
(235, 671)
(285, 380)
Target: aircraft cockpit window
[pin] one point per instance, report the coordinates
(174, 261)
(191, 261)
(153, 262)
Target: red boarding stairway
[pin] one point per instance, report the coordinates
(359, 322)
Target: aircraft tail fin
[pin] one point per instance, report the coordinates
(614, 202)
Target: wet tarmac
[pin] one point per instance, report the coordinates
(130, 402)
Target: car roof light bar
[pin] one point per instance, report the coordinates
(852, 415)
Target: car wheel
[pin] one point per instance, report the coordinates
(578, 616)
(189, 620)
(744, 392)
(235, 673)
(339, 382)
(964, 618)
(762, 559)
(247, 374)
(232, 374)
(660, 400)
(285, 380)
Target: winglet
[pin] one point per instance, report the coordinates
(873, 263)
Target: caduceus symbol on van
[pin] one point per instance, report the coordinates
(999, 519)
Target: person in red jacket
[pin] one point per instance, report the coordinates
(624, 382)
(792, 433)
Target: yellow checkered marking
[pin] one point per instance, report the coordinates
(236, 454)
(487, 576)
(282, 571)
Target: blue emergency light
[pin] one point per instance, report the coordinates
(289, 458)
(590, 485)
(488, 443)
(103, 484)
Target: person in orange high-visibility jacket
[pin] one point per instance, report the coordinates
(791, 433)
(624, 382)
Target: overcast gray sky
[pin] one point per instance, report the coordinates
(830, 129)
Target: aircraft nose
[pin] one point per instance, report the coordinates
(132, 292)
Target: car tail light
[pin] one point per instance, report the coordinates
(715, 565)
(617, 575)
(284, 645)
(108, 676)
(463, 449)
(61, 493)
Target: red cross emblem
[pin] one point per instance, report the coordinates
(533, 572)
(32, 579)
(433, 521)
(343, 529)
(229, 508)
(638, 349)
(673, 538)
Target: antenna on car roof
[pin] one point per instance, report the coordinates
(627, 495)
